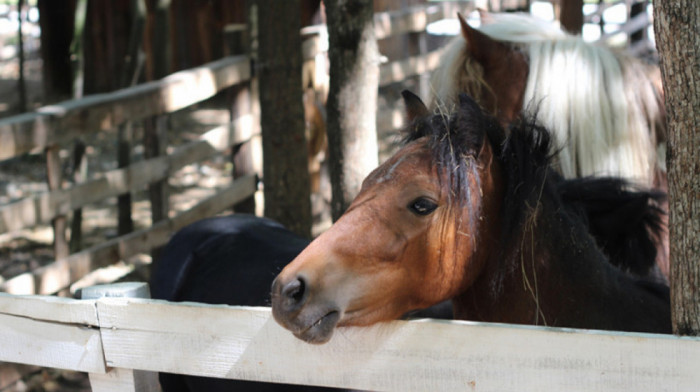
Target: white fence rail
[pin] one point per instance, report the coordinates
(113, 337)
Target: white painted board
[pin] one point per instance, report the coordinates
(398, 356)
(49, 308)
(50, 344)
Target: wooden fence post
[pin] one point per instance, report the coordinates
(120, 379)
(240, 104)
(54, 177)
(155, 144)
(125, 223)
(79, 172)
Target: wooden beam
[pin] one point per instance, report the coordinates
(63, 121)
(43, 207)
(50, 308)
(61, 273)
(246, 343)
(50, 344)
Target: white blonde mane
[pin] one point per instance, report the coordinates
(599, 105)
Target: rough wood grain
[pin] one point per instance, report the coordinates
(63, 121)
(50, 344)
(220, 341)
(43, 207)
(49, 308)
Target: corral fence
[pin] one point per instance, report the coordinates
(119, 341)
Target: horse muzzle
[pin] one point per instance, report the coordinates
(295, 309)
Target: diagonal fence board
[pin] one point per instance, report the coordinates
(61, 273)
(65, 120)
(45, 206)
(235, 342)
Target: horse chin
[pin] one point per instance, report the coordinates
(321, 330)
(312, 327)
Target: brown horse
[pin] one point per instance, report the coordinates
(463, 212)
(605, 109)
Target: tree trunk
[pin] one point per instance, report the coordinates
(676, 24)
(352, 98)
(571, 17)
(155, 40)
(56, 20)
(285, 173)
(105, 44)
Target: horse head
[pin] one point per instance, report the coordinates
(493, 72)
(409, 239)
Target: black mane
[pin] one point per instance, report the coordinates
(625, 223)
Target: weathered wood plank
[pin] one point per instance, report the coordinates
(63, 121)
(230, 342)
(118, 379)
(49, 308)
(45, 206)
(61, 273)
(50, 344)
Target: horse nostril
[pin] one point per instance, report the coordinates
(294, 291)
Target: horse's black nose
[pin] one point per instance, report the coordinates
(291, 295)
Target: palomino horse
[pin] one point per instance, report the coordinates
(463, 212)
(604, 109)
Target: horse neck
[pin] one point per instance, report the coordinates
(527, 284)
(555, 275)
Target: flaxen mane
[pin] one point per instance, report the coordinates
(604, 111)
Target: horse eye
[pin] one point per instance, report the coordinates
(422, 206)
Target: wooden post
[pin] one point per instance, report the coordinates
(121, 379)
(79, 173)
(239, 102)
(125, 223)
(155, 144)
(54, 177)
(419, 45)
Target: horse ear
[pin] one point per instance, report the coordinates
(473, 113)
(480, 46)
(415, 108)
(468, 103)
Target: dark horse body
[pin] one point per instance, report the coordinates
(463, 212)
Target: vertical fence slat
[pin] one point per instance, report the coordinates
(120, 379)
(125, 223)
(239, 101)
(79, 173)
(54, 177)
(155, 143)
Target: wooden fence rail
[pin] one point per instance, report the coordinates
(246, 343)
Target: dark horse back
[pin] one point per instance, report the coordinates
(224, 260)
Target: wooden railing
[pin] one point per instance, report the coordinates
(120, 341)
